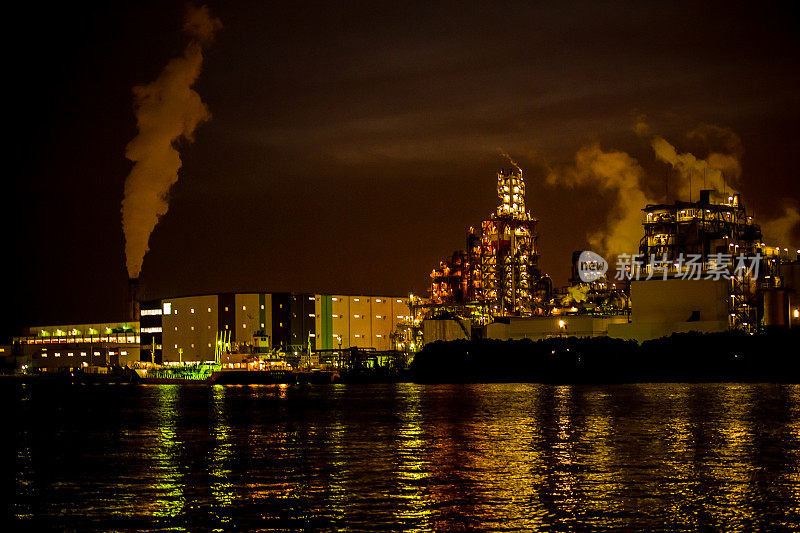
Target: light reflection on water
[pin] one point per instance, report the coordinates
(409, 457)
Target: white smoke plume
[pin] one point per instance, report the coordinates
(510, 160)
(167, 111)
(720, 170)
(610, 171)
(780, 231)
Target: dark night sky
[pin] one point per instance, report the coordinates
(352, 143)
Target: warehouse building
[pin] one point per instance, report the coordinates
(189, 328)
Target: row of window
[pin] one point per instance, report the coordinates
(83, 354)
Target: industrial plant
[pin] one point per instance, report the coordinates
(701, 267)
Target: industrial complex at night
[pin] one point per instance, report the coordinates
(493, 289)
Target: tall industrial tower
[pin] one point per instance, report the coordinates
(505, 258)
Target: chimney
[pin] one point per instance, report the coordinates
(132, 303)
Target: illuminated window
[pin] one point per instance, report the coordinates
(167, 308)
(123, 353)
(378, 300)
(209, 309)
(192, 328)
(152, 330)
(378, 316)
(334, 299)
(176, 346)
(191, 310)
(208, 327)
(244, 326)
(356, 300)
(379, 336)
(147, 312)
(226, 309)
(209, 345)
(97, 354)
(262, 306)
(226, 326)
(280, 324)
(262, 325)
(312, 315)
(70, 354)
(311, 298)
(356, 316)
(176, 328)
(400, 316)
(399, 301)
(244, 308)
(57, 354)
(312, 334)
(44, 354)
(192, 345)
(335, 316)
(83, 354)
(357, 336)
(175, 312)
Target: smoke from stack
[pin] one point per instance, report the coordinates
(610, 171)
(780, 231)
(510, 160)
(167, 112)
(719, 171)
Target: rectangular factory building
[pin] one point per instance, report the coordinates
(189, 328)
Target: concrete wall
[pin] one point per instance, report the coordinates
(537, 328)
(662, 307)
(360, 321)
(190, 326)
(444, 330)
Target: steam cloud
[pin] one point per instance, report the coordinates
(610, 171)
(510, 160)
(779, 231)
(167, 111)
(720, 170)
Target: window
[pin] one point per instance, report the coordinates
(209, 309)
(262, 325)
(335, 316)
(192, 345)
(378, 316)
(334, 299)
(208, 326)
(400, 317)
(356, 299)
(311, 298)
(192, 328)
(280, 324)
(176, 346)
(167, 308)
(379, 336)
(152, 330)
(176, 328)
(175, 312)
(262, 306)
(209, 345)
(357, 336)
(150, 312)
(226, 326)
(70, 354)
(191, 310)
(226, 309)
(57, 354)
(399, 301)
(96, 354)
(244, 326)
(378, 300)
(312, 315)
(83, 354)
(312, 334)
(123, 353)
(244, 308)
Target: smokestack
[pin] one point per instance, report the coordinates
(132, 301)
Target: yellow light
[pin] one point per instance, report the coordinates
(797, 313)
(561, 324)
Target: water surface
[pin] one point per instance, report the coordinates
(675, 457)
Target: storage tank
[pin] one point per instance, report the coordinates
(776, 308)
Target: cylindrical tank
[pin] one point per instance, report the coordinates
(776, 308)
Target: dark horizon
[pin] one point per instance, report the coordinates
(350, 147)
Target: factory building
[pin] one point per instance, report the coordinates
(190, 328)
(74, 346)
(498, 273)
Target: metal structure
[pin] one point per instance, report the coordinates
(498, 273)
(708, 230)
